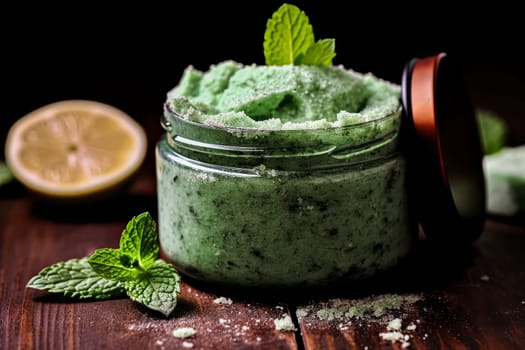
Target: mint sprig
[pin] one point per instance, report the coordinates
(289, 39)
(133, 269)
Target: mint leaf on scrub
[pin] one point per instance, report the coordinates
(134, 268)
(288, 34)
(320, 53)
(289, 39)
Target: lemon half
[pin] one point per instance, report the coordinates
(75, 148)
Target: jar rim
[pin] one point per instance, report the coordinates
(240, 129)
(295, 148)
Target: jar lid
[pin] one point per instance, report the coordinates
(444, 150)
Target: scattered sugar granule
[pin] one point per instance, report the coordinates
(394, 325)
(485, 278)
(411, 327)
(301, 312)
(187, 344)
(394, 335)
(223, 301)
(342, 327)
(184, 332)
(284, 324)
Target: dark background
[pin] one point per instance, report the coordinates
(130, 55)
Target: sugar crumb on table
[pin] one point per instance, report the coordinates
(184, 332)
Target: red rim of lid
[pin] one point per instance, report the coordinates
(444, 150)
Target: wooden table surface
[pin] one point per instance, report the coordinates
(468, 299)
(471, 298)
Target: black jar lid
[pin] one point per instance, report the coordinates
(444, 150)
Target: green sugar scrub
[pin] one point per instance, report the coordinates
(287, 174)
(282, 97)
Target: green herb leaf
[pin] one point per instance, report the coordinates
(493, 131)
(108, 263)
(139, 240)
(288, 35)
(76, 278)
(289, 39)
(134, 269)
(5, 174)
(157, 288)
(321, 53)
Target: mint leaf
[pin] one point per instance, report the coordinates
(139, 240)
(134, 269)
(288, 35)
(157, 288)
(108, 263)
(289, 39)
(5, 174)
(76, 278)
(492, 130)
(321, 53)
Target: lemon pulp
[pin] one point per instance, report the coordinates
(74, 148)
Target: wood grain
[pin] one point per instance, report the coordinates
(466, 301)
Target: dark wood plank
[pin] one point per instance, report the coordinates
(466, 299)
(32, 319)
(471, 298)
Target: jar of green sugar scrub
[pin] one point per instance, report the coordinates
(284, 176)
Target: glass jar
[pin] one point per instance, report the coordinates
(285, 208)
